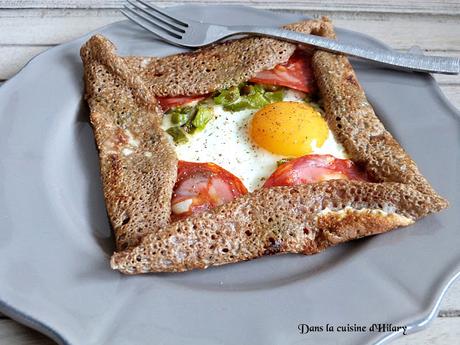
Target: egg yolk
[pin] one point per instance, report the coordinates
(288, 128)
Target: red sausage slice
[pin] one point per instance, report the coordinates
(315, 168)
(201, 187)
(296, 73)
(167, 103)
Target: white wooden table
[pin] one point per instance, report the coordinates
(28, 27)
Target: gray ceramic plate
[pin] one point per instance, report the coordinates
(55, 240)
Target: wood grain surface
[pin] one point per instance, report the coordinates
(28, 27)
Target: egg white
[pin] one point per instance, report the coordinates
(225, 141)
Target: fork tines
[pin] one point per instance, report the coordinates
(154, 19)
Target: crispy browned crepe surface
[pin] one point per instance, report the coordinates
(121, 93)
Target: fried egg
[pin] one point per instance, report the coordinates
(249, 143)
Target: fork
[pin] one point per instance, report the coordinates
(194, 34)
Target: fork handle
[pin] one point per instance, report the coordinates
(406, 61)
